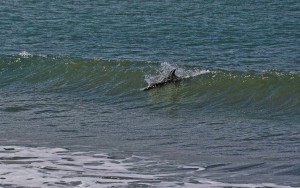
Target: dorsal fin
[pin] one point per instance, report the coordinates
(172, 75)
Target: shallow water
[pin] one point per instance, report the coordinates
(48, 167)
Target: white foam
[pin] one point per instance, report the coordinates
(180, 72)
(57, 167)
(25, 54)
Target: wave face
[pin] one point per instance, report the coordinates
(259, 92)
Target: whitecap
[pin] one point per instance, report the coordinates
(25, 54)
(181, 72)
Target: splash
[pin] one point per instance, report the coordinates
(25, 54)
(166, 67)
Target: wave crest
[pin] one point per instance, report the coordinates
(199, 88)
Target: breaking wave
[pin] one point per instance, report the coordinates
(200, 88)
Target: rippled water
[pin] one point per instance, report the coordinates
(73, 113)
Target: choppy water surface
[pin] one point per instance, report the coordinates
(73, 113)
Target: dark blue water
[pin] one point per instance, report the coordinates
(72, 74)
(232, 35)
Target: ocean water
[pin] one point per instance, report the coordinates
(73, 112)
